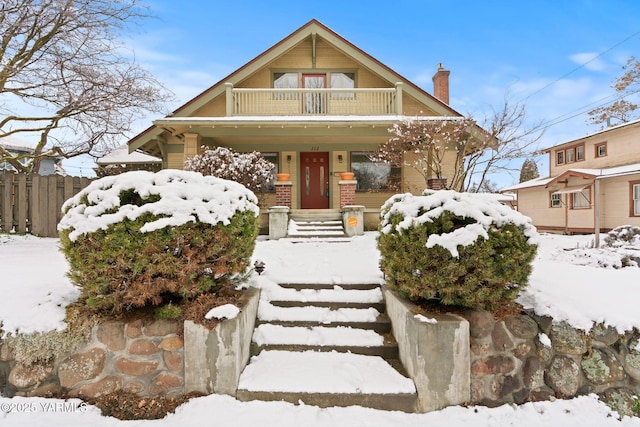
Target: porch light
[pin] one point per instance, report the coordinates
(289, 159)
(339, 158)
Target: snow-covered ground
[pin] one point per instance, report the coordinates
(35, 291)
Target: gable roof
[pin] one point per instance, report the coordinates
(311, 28)
(600, 173)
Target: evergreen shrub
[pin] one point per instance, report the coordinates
(147, 239)
(452, 248)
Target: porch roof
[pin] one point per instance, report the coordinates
(296, 120)
(602, 173)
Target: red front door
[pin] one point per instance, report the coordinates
(314, 180)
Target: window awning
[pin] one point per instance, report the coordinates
(568, 190)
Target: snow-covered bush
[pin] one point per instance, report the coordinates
(455, 248)
(623, 236)
(249, 169)
(145, 239)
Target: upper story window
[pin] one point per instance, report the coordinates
(285, 80)
(570, 154)
(343, 80)
(601, 149)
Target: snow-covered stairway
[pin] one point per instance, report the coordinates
(326, 345)
(318, 224)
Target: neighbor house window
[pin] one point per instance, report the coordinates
(601, 149)
(556, 200)
(340, 81)
(570, 154)
(581, 199)
(373, 176)
(635, 198)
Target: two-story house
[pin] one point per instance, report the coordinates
(315, 105)
(593, 184)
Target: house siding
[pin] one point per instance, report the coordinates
(622, 148)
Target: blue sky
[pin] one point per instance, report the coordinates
(559, 56)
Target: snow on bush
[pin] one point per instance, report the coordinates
(250, 169)
(621, 249)
(148, 239)
(456, 248)
(171, 197)
(484, 210)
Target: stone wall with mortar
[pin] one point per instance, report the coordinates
(143, 357)
(531, 358)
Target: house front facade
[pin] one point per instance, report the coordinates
(316, 106)
(593, 184)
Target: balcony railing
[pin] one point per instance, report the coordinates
(295, 102)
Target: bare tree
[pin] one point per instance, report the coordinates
(621, 110)
(459, 149)
(65, 77)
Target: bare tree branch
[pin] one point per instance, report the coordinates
(61, 61)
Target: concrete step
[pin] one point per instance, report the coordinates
(381, 326)
(318, 286)
(405, 402)
(386, 351)
(327, 379)
(333, 305)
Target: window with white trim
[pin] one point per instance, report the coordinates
(635, 195)
(556, 200)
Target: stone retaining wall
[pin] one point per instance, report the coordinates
(530, 358)
(143, 357)
(147, 358)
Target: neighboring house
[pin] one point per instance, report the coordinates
(16, 146)
(120, 160)
(593, 184)
(315, 105)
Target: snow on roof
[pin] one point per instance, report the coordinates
(122, 155)
(609, 129)
(600, 173)
(301, 119)
(11, 142)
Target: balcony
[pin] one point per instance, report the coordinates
(314, 102)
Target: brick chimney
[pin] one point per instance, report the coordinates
(441, 84)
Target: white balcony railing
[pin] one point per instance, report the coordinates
(294, 102)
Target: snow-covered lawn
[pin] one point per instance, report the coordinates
(35, 291)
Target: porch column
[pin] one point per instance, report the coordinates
(283, 193)
(191, 145)
(347, 192)
(278, 222)
(353, 220)
(399, 98)
(229, 98)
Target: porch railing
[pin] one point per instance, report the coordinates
(303, 101)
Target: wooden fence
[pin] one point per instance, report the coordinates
(32, 203)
